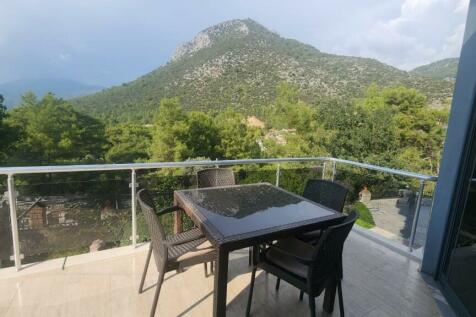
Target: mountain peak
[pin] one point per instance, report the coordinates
(236, 29)
(239, 63)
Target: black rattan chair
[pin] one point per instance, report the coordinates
(213, 177)
(174, 252)
(327, 193)
(310, 268)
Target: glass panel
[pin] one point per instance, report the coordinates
(6, 246)
(293, 177)
(387, 203)
(71, 213)
(67, 214)
(461, 271)
(162, 184)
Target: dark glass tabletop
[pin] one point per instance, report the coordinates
(237, 210)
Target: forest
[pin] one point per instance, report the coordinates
(391, 127)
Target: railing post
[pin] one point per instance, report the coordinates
(324, 170)
(133, 186)
(12, 200)
(278, 173)
(334, 170)
(416, 216)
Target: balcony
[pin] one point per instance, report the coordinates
(53, 272)
(377, 282)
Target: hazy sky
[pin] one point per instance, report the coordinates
(108, 42)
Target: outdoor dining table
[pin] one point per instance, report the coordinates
(235, 217)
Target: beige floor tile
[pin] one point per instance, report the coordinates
(8, 290)
(377, 282)
(34, 311)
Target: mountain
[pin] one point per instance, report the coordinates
(65, 88)
(239, 63)
(444, 69)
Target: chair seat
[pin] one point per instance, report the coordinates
(191, 253)
(191, 234)
(286, 262)
(310, 236)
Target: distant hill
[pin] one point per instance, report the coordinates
(65, 88)
(444, 69)
(239, 63)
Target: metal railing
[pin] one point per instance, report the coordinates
(133, 167)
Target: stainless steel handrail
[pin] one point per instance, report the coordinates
(158, 165)
(133, 167)
(386, 170)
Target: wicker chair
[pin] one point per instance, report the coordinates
(213, 177)
(174, 252)
(326, 193)
(310, 268)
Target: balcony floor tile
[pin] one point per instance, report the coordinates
(377, 282)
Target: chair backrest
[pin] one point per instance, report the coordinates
(328, 253)
(327, 193)
(156, 231)
(213, 177)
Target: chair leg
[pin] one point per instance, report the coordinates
(278, 281)
(157, 293)
(250, 256)
(144, 273)
(205, 268)
(301, 295)
(341, 299)
(250, 295)
(312, 305)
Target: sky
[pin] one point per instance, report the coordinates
(108, 42)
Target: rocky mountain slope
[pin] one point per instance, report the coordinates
(239, 63)
(444, 69)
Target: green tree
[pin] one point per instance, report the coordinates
(8, 134)
(170, 127)
(288, 112)
(179, 136)
(419, 129)
(237, 140)
(357, 132)
(295, 128)
(288, 144)
(128, 143)
(202, 137)
(51, 132)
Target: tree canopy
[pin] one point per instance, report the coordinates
(128, 143)
(181, 135)
(7, 134)
(51, 132)
(392, 126)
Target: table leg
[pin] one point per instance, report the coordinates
(178, 225)
(221, 281)
(329, 298)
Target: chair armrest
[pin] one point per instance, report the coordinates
(298, 258)
(168, 210)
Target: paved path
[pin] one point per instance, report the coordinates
(394, 221)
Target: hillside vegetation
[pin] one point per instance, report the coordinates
(239, 63)
(444, 69)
